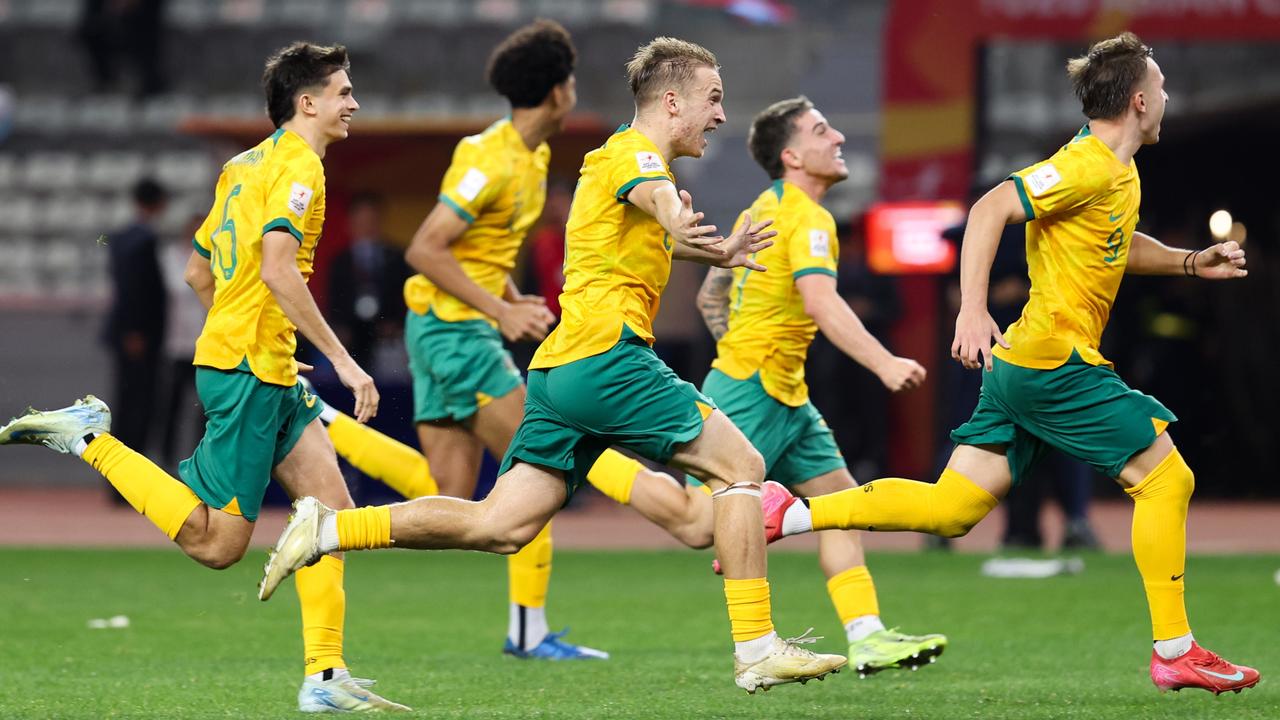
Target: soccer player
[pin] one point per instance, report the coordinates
(468, 394)
(764, 323)
(251, 260)
(595, 381)
(1045, 384)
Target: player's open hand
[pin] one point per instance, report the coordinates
(975, 329)
(361, 385)
(522, 320)
(686, 229)
(1224, 261)
(901, 374)
(749, 239)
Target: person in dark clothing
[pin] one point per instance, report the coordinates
(132, 28)
(366, 283)
(857, 415)
(1071, 480)
(135, 324)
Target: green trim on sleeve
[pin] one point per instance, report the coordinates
(283, 224)
(462, 213)
(813, 271)
(203, 253)
(627, 187)
(1022, 195)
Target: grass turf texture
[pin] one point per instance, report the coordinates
(428, 627)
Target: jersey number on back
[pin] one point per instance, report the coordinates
(1114, 241)
(228, 226)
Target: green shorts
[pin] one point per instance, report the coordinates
(625, 396)
(457, 367)
(250, 427)
(1085, 411)
(796, 443)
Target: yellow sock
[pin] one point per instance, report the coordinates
(151, 491)
(1160, 542)
(750, 615)
(529, 571)
(614, 474)
(382, 458)
(949, 507)
(324, 606)
(365, 528)
(853, 593)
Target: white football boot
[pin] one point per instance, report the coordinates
(298, 546)
(58, 429)
(343, 695)
(786, 662)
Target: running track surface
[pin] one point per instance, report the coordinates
(83, 517)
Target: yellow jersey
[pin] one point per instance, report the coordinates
(617, 257)
(498, 185)
(769, 330)
(1082, 208)
(276, 185)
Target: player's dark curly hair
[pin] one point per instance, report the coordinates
(530, 62)
(771, 130)
(1106, 77)
(296, 68)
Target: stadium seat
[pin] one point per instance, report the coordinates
(19, 212)
(113, 169)
(181, 170)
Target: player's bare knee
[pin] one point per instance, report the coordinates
(696, 537)
(750, 466)
(217, 557)
(514, 539)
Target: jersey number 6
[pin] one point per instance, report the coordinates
(228, 226)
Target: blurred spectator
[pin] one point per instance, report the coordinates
(857, 413)
(366, 284)
(135, 324)
(1072, 484)
(182, 411)
(545, 268)
(1009, 288)
(133, 29)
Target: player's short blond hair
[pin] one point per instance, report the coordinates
(663, 63)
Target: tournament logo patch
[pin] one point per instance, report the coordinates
(819, 243)
(649, 162)
(299, 199)
(471, 184)
(1043, 178)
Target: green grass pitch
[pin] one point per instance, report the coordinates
(429, 627)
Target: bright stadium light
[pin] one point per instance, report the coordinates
(1220, 224)
(1238, 232)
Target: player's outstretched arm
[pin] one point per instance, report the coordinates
(737, 250)
(841, 325)
(674, 212)
(199, 276)
(975, 327)
(713, 300)
(1148, 256)
(281, 276)
(429, 254)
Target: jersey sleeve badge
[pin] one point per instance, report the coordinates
(1042, 179)
(299, 199)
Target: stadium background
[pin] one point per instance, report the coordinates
(936, 98)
